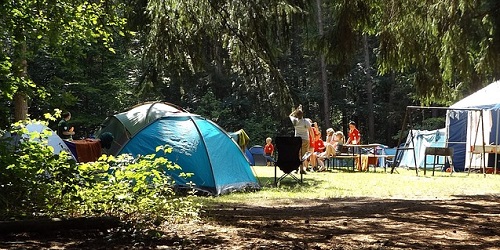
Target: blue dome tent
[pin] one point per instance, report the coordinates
(258, 157)
(199, 146)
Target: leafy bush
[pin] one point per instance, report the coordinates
(133, 189)
(35, 182)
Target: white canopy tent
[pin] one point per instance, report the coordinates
(469, 132)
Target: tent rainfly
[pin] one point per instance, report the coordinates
(199, 146)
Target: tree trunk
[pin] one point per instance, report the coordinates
(369, 92)
(21, 71)
(391, 129)
(323, 77)
(20, 106)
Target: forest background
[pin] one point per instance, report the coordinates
(247, 64)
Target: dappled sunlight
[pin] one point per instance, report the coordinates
(363, 222)
(355, 210)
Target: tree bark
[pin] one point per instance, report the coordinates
(20, 106)
(391, 130)
(369, 91)
(21, 71)
(323, 74)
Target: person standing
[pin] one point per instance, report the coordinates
(63, 129)
(302, 128)
(354, 136)
(269, 151)
(355, 139)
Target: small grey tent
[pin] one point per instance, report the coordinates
(39, 131)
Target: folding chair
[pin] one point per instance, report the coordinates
(287, 157)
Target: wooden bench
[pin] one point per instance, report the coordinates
(332, 159)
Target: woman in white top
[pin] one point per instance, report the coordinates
(302, 127)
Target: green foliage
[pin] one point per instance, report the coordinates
(244, 64)
(432, 123)
(91, 87)
(33, 180)
(36, 182)
(135, 190)
(61, 29)
(261, 127)
(221, 39)
(212, 108)
(421, 122)
(449, 45)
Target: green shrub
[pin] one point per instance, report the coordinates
(133, 189)
(35, 182)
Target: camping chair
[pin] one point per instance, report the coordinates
(287, 157)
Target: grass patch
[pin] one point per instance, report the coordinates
(343, 184)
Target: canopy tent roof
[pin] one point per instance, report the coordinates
(485, 98)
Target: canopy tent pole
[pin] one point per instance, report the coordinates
(483, 155)
(484, 148)
(496, 144)
(395, 163)
(473, 144)
(412, 136)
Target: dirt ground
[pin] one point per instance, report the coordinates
(470, 222)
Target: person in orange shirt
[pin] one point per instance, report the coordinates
(313, 135)
(269, 151)
(319, 148)
(354, 135)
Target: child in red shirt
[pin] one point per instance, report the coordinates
(354, 136)
(319, 148)
(268, 151)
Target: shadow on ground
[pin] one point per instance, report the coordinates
(465, 222)
(461, 223)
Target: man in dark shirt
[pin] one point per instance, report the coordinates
(63, 129)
